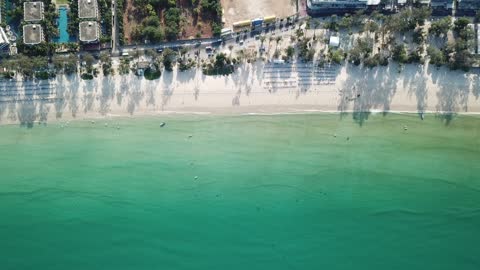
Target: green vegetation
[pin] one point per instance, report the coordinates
(44, 75)
(152, 73)
(106, 61)
(458, 53)
(337, 56)
(29, 67)
(150, 30)
(168, 59)
(153, 30)
(213, 9)
(185, 64)
(50, 29)
(120, 10)
(172, 23)
(305, 50)
(88, 72)
(437, 57)
(124, 67)
(375, 60)
(86, 76)
(73, 19)
(441, 27)
(105, 9)
(43, 49)
(362, 49)
(221, 66)
(407, 19)
(66, 63)
(400, 54)
(290, 51)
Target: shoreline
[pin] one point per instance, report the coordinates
(257, 88)
(109, 118)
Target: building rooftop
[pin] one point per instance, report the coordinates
(32, 34)
(338, 1)
(3, 37)
(478, 38)
(441, 2)
(32, 11)
(89, 31)
(4, 41)
(334, 41)
(87, 9)
(469, 4)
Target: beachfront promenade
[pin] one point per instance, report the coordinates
(254, 88)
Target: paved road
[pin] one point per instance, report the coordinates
(114, 28)
(302, 9)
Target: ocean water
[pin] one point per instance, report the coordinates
(242, 192)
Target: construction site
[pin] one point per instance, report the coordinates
(235, 11)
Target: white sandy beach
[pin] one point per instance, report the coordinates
(256, 88)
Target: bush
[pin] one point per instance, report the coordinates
(337, 56)
(461, 24)
(222, 66)
(441, 27)
(172, 20)
(44, 75)
(87, 76)
(152, 73)
(437, 58)
(400, 54)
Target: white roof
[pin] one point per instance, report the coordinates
(3, 36)
(478, 38)
(334, 41)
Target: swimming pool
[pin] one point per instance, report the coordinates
(62, 23)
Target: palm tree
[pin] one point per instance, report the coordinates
(279, 38)
(299, 33)
(183, 52)
(241, 55)
(315, 25)
(150, 52)
(262, 39)
(270, 41)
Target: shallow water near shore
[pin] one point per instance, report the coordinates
(315, 191)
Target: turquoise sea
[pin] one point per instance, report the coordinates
(316, 191)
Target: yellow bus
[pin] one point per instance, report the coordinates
(270, 19)
(242, 24)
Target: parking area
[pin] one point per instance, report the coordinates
(239, 10)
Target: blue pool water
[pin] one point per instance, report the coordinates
(62, 22)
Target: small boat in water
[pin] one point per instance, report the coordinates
(162, 124)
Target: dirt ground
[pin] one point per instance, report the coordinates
(129, 20)
(239, 10)
(192, 26)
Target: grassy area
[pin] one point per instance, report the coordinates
(62, 2)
